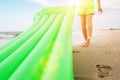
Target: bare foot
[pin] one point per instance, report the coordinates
(87, 42)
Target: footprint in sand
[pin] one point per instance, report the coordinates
(75, 51)
(103, 71)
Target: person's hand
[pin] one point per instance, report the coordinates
(100, 10)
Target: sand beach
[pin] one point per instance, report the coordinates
(100, 61)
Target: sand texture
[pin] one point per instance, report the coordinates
(100, 61)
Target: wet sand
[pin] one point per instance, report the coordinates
(100, 61)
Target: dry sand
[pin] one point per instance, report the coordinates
(100, 61)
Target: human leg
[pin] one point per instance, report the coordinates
(89, 28)
(89, 25)
(84, 30)
(83, 26)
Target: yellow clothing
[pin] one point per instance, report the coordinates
(85, 7)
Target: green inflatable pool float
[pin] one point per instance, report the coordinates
(42, 52)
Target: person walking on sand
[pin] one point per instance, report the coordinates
(86, 9)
